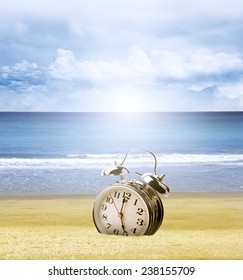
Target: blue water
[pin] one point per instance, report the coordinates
(64, 153)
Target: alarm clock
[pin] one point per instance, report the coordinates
(130, 207)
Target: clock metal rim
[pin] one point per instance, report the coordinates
(151, 199)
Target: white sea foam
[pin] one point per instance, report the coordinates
(102, 160)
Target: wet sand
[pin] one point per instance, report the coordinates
(195, 226)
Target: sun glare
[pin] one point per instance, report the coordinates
(128, 102)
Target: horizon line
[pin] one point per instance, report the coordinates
(124, 112)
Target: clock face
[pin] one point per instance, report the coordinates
(121, 210)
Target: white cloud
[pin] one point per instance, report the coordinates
(158, 80)
(65, 65)
(163, 53)
(101, 73)
(168, 64)
(22, 77)
(74, 84)
(21, 69)
(204, 61)
(138, 68)
(138, 60)
(232, 92)
(145, 68)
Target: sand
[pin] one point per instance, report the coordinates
(195, 226)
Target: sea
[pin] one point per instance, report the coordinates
(65, 153)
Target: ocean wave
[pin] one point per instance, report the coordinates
(99, 161)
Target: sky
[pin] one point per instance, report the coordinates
(121, 55)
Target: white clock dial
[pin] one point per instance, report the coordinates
(121, 210)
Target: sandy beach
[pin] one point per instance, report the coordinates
(195, 226)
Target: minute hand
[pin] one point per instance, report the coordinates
(121, 214)
(123, 202)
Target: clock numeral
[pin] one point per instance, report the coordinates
(117, 194)
(140, 222)
(116, 231)
(125, 233)
(133, 230)
(127, 195)
(135, 203)
(104, 207)
(140, 211)
(109, 200)
(108, 225)
(104, 217)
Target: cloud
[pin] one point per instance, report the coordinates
(206, 62)
(106, 29)
(233, 92)
(22, 76)
(155, 80)
(101, 72)
(169, 55)
(140, 67)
